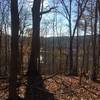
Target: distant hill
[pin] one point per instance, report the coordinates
(64, 41)
(49, 41)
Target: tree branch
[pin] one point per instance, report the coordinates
(47, 11)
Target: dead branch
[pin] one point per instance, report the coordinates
(90, 91)
(47, 11)
(50, 76)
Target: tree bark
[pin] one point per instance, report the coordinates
(82, 69)
(34, 77)
(94, 75)
(14, 49)
(0, 47)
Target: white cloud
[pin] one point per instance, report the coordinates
(30, 2)
(46, 3)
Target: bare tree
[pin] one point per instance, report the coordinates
(34, 78)
(82, 69)
(14, 49)
(68, 15)
(94, 75)
(0, 36)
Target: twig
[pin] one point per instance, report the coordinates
(50, 76)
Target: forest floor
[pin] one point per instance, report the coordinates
(63, 87)
(68, 88)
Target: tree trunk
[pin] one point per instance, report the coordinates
(0, 48)
(53, 49)
(14, 49)
(71, 56)
(94, 75)
(82, 70)
(71, 42)
(21, 54)
(34, 77)
(77, 51)
(6, 53)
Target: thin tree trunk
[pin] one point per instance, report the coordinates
(77, 51)
(84, 51)
(94, 75)
(21, 54)
(71, 43)
(77, 45)
(0, 48)
(87, 58)
(53, 49)
(6, 61)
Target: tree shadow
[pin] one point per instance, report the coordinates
(15, 98)
(35, 89)
(43, 94)
(39, 94)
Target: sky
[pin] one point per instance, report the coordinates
(47, 22)
(46, 2)
(48, 18)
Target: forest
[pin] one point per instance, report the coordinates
(49, 49)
